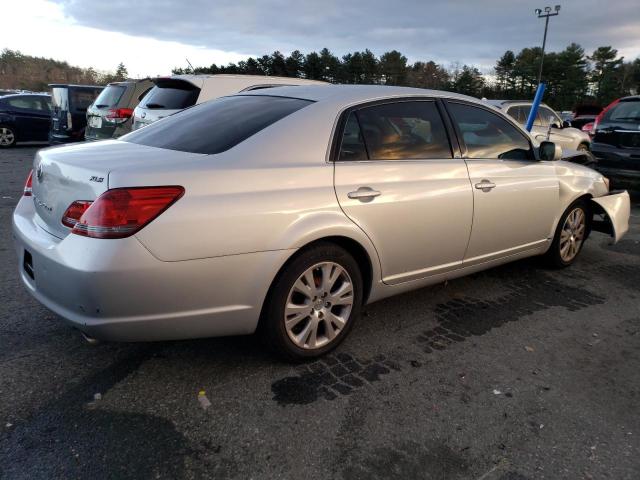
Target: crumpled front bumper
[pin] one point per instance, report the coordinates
(616, 208)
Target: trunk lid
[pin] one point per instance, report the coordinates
(62, 175)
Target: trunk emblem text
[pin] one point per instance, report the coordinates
(96, 179)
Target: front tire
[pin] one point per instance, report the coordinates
(8, 136)
(571, 233)
(313, 303)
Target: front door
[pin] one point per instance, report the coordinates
(515, 196)
(396, 178)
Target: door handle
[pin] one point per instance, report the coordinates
(364, 194)
(485, 185)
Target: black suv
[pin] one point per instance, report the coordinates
(69, 116)
(24, 118)
(616, 143)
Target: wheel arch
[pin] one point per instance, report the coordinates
(359, 252)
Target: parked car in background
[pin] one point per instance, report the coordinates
(172, 94)
(583, 115)
(69, 111)
(616, 142)
(111, 114)
(547, 123)
(7, 92)
(24, 118)
(290, 208)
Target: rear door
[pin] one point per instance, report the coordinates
(516, 197)
(397, 179)
(32, 117)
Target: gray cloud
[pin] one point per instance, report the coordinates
(445, 31)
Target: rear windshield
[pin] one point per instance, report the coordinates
(628, 111)
(171, 95)
(81, 98)
(73, 99)
(110, 96)
(216, 126)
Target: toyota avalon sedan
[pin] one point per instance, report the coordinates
(285, 210)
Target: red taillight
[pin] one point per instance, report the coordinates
(588, 128)
(74, 212)
(601, 115)
(118, 115)
(121, 212)
(28, 191)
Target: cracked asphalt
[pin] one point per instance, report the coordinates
(514, 373)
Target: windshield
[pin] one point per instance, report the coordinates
(171, 95)
(110, 96)
(216, 126)
(624, 111)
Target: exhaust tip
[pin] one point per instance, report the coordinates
(89, 340)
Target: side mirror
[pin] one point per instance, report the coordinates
(566, 124)
(549, 151)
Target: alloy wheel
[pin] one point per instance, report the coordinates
(7, 137)
(572, 234)
(319, 305)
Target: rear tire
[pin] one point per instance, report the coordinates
(8, 136)
(313, 303)
(571, 233)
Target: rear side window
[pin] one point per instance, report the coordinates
(26, 103)
(352, 145)
(171, 95)
(216, 126)
(488, 135)
(401, 131)
(628, 111)
(110, 96)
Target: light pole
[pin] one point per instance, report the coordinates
(547, 13)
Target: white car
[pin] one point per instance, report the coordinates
(172, 94)
(288, 209)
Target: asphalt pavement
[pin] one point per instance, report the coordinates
(515, 373)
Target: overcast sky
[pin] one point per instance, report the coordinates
(153, 36)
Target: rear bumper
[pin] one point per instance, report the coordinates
(116, 290)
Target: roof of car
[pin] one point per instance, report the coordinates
(26, 95)
(501, 103)
(74, 85)
(354, 93)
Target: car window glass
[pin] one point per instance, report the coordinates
(80, 99)
(352, 145)
(46, 104)
(627, 111)
(519, 114)
(110, 96)
(181, 96)
(546, 116)
(404, 131)
(25, 103)
(488, 135)
(217, 125)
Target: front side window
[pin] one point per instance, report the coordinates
(488, 135)
(410, 130)
(548, 117)
(216, 126)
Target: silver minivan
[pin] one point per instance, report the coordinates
(172, 94)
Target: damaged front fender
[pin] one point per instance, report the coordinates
(611, 214)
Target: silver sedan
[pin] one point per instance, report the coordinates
(285, 210)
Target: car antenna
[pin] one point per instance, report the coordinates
(191, 66)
